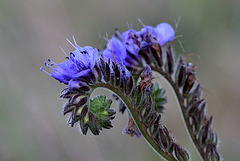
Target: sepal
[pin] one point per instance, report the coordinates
(181, 154)
(100, 114)
(158, 97)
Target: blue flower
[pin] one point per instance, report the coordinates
(65, 71)
(148, 37)
(127, 51)
(131, 40)
(117, 53)
(115, 50)
(84, 57)
(79, 64)
(136, 40)
(165, 33)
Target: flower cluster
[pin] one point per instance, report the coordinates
(126, 52)
(79, 64)
(129, 57)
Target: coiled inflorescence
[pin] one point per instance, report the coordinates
(118, 69)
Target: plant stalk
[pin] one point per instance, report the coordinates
(139, 124)
(183, 109)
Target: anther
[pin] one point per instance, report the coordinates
(52, 62)
(47, 65)
(42, 69)
(83, 52)
(72, 54)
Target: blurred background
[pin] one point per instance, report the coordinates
(32, 126)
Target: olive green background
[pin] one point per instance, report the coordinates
(32, 126)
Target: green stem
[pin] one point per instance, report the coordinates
(182, 107)
(139, 124)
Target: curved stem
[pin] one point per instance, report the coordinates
(182, 107)
(139, 124)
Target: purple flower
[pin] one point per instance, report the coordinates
(148, 37)
(79, 64)
(115, 50)
(165, 33)
(131, 40)
(136, 40)
(65, 71)
(84, 57)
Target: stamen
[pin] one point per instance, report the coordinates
(71, 54)
(48, 65)
(63, 51)
(52, 62)
(134, 36)
(128, 26)
(111, 48)
(74, 40)
(71, 43)
(141, 22)
(180, 43)
(100, 44)
(177, 37)
(42, 69)
(177, 23)
(118, 33)
(82, 52)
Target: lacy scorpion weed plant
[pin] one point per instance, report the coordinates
(119, 68)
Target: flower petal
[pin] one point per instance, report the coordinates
(165, 33)
(131, 41)
(114, 46)
(93, 57)
(65, 71)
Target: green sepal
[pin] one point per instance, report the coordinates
(159, 98)
(100, 115)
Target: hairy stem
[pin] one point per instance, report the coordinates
(139, 124)
(182, 107)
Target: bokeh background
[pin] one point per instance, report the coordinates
(32, 126)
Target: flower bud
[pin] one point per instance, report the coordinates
(131, 129)
(211, 153)
(180, 75)
(181, 154)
